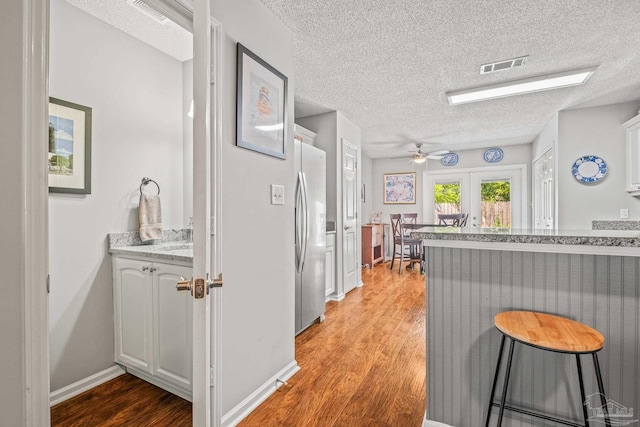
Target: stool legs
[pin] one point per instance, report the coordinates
(506, 383)
(603, 399)
(495, 381)
(582, 396)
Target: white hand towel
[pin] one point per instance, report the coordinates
(150, 217)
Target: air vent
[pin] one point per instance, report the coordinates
(147, 10)
(502, 65)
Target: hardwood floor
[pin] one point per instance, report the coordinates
(123, 401)
(363, 366)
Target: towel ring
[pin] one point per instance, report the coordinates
(146, 181)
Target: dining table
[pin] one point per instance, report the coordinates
(413, 227)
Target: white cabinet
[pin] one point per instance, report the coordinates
(153, 323)
(633, 155)
(303, 135)
(329, 265)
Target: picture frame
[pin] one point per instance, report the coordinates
(399, 188)
(69, 147)
(363, 197)
(261, 122)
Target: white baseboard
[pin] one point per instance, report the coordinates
(84, 384)
(244, 408)
(361, 284)
(429, 423)
(335, 297)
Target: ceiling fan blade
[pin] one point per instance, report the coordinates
(434, 157)
(439, 152)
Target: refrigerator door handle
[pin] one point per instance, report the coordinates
(298, 238)
(305, 221)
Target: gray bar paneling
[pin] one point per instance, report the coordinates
(466, 288)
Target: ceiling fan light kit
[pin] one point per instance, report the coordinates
(518, 87)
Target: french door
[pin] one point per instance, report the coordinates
(493, 197)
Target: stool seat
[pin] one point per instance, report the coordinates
(549, 332)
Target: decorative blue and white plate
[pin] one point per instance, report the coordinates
(589, 169)
(449, 159)
(493, 155)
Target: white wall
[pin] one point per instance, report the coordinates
(325, 126)
(594, 131)
(331, 129)
(513, 155)
(547, 138)
(257, 336)
(383, 166)
(136, 96)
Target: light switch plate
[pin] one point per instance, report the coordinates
(624, 213)
(277, 194)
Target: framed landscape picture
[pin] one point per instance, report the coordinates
(400, 188)
(261, 106)
(69, 147)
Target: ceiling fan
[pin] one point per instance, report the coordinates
(420, 156)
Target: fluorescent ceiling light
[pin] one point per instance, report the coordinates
(517, 87)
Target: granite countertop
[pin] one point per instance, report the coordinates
(613, 238)
(169, 251)
(172, 247)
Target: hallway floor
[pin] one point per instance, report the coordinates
(363, 366)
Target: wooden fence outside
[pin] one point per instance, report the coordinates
(494, 214)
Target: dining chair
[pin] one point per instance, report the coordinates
(454, 220)
(409, 218)
(399, 239)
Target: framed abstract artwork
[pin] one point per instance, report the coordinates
(399, 188)
(261, 106)
(69, 147)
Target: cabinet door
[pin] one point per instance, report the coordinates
(132, 303)
(172, 326)
(329, 267)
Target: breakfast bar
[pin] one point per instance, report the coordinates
(592, 277)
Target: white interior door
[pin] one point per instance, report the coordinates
(203, 197)
(350, 203)
(544, 198)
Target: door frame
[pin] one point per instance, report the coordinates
(34, 194)
(341, 224)
(545, 151)
(428, 176)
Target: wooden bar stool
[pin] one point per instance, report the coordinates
(550, 333)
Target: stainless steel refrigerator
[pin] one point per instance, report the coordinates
(310, 240)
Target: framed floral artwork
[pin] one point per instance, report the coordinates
(399, 188)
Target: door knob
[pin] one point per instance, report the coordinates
(183, 285)
(215, 283)
(346, 228)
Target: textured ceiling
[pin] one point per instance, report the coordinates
(168, 37)
(388, 64)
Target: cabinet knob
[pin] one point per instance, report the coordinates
(145, 268)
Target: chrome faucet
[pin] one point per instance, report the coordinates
(190, 230)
